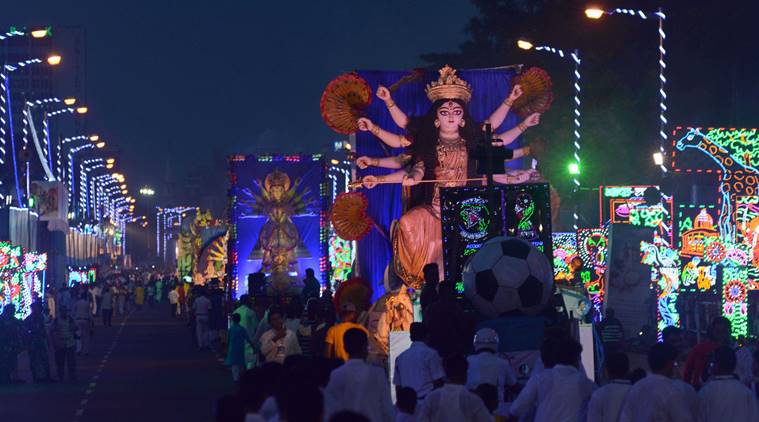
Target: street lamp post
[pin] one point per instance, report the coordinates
(596, 13)
(6, 110)
(575, 166)
(85, 168)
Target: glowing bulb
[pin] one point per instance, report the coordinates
(658, 158)
(123, 186)
(594, 13)
(94, 138)
(524, 44)
(39, 33)
(82, 110)
(100, 144)
(574, 168)
(54, 60)
(69, 101)
(109, 165)
(110, 160)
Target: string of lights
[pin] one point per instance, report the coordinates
(575, 166)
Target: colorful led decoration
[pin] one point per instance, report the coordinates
(695, 277)
(564, 250)
(593, 247)
(665, 277)
(21, 278)
(735, 299)
(627, 205)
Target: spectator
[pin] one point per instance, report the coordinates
(106, 306)
(202, 308)
(453, 402)
(358, 386)
(64, 342)
(485, 367)
(656, 397)
(445, 323)
(83, 318)
(333, 342)
(419, 367)
(431, 281)
(699, 358)
(278, 342)
(724, 397)
(38, 347)
(237, 338)
(10, 344)
(173, 296)
(606, 402)
(560, 393)
(406, 403)
(612, 333)
(249, 323)
(311, 287)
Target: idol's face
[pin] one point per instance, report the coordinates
(450, 115)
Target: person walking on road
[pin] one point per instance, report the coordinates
(83, 318)
(106, 306)
(39, 361)
(174, 302)
(64, 342)
(202, 307)
(237, 338)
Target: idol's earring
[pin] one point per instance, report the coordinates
(463, 123)
(437, 123)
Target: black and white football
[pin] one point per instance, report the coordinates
(508, 274)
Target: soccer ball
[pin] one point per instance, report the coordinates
(508, 275)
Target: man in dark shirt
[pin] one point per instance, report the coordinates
(311, 286)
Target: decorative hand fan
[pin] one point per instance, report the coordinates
(343, 102)
(349, 216)
(355, 290)
(537, 94)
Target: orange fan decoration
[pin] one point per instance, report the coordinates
(349, 216)
(355, 290)
(344, 101)
(537, 94)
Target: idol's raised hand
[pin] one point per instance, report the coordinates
(369, 181)
(516, 92)
(383, 94)
(364, 162)
(365, 124)
(532, 120)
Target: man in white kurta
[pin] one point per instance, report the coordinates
(606, 402)
(485, 367)
(279, 342)
(561, 393)
(453, 402)
(419, 367)
(358, 386)
(724, 397)
(656, 398)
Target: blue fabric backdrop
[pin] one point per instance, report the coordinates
(489, 88)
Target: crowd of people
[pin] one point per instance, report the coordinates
(61, 327)
(312, 363)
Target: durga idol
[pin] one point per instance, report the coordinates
(439, 148)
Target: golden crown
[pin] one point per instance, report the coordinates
(449, 86)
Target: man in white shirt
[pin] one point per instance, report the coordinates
(418, 367)
(279, 342)
(606, 402)
(561, 393)
(358, 386)
(656, 398)
(724, 397)
(485, 367)
(453, 402)
(202, 307)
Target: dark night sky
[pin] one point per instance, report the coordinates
(191, 81)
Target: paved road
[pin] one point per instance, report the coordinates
(142, 369)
